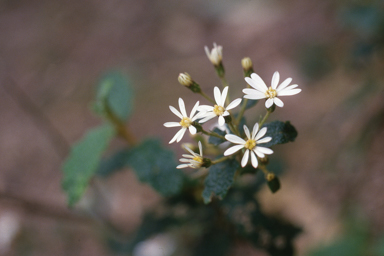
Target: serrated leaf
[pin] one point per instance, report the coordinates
(113, 163)
(114, 90)
(155, 165)
(215, 140)
(219, 179)
(83, 161)
(281, 132)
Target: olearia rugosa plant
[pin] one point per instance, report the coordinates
(218, 202)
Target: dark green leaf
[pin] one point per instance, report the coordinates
(215, 140)
(112, 164)
(214, 242)
(280, 132)
(83, 161)
(115, 90)
(251, 103)
(156, 166)
(219, 179)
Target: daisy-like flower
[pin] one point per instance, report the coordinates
(261, 90)
(185, 123)
(216, 55)
(209, 112)
(193, 160)
(250, 145)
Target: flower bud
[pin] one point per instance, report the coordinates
(185, 79)
(246, 63)
(215, 55)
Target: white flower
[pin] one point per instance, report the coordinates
(261, 90)
(250, 145)
(195, 160)
(185, 123)
(209, 112)
(216, 55)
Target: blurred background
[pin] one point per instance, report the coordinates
(52, 54)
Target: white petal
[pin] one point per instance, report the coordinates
(258, 82)
(192, 129)
(261, 133)
(244, 160)
(217, 95)
(289, 92)
(208, 116)
(187, 156)
(288, 88)
(234, 139)
(253, 97)
(226, 113)
(183, 160)
(233, 150)
(233, 104)
(221, 121)
(275, 79)
(254, 130)
(254, 93)
(278, 102)
(181, 134)
(269, 103)
(200, 149)
(224, 96)
(181, 166)
(172, 124)
(254, 160)
(182, 130)
(205, 108)
(176, 112)
(264, 140)
(264, 150)
(258, 153)
(194, 110)
(246, 131)
(198, 116)
(284, 84)
(182, 107)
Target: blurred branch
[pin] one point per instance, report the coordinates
(59, 142)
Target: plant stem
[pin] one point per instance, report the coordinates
(207, 97)
(122, 130)
(242, 110)
(265, 118)
(212, 134)
(220, 159)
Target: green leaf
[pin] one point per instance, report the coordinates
(280, 132)
(114, 92)
(251, 103)
(83, 161)
(113, 164)
(219, 179)
(215, 140)
(156, 166)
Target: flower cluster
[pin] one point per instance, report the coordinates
(251, 145)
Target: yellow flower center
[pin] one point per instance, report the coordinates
(250, 144)
(185, 122)
(198, 159)
(218, 110)
(271, 93)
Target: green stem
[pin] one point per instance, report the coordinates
(212, 134)
(233, 128)
(242, 110)
(222, 159)
(207, 97)
(265, 118)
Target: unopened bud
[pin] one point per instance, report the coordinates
(246, 63)
(215, 55)
(185, 79)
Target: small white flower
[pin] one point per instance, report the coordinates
(216, 55)
(195, 160)
(250, 145)
(209, 112)
(185, 123)
(261, 90)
